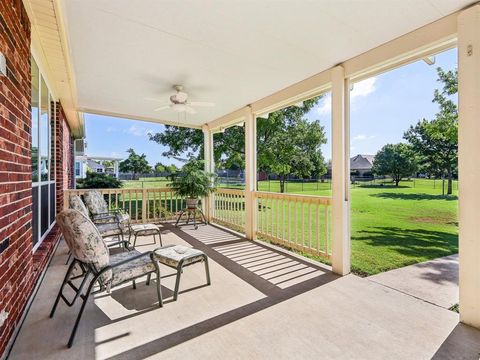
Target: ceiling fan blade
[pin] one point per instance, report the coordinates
(201, 104)
(162, 107)
(190, 110)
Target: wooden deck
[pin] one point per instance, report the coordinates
(264, 303)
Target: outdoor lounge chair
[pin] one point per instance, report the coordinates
(115, 227)
(98, 267)
(99, 209)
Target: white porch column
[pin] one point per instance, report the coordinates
(209, 203)
(250, 174)
(340, 173)
(468, 165)
(115, 168)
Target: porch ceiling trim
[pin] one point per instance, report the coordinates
(50, 49)
(430, 39)
(135, 117)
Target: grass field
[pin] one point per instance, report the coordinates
(391, 226)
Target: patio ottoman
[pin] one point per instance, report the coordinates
(144, 230)
(178, 257)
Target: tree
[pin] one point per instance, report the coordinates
(395, 160)
(171, 169)
(436, 141)
(136, 164)
(289, 144)
(286, 142)
(159, 167)
(99, 181)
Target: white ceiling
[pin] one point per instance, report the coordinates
(230, 52)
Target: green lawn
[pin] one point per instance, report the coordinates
(394, 227)
(391, 227)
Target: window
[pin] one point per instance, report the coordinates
(77, 168)
(99, 170)
(43, 156)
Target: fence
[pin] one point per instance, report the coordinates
(300, 222)
(229, 208)
(143, 205)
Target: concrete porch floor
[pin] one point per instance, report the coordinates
(263, 303)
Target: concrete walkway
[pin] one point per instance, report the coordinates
(434, 281)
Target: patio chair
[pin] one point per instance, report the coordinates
(98, 267)
(99, 209)
(113, 228)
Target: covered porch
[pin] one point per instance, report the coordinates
(264, 303)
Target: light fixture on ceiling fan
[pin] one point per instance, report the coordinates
(179, 102)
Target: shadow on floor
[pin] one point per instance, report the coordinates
(273, 295)
(462, 343)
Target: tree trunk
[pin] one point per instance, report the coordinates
(450, 182)
(282, 183)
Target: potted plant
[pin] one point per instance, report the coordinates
(193, 183)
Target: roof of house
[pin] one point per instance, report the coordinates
(94, 165)
(361, 161)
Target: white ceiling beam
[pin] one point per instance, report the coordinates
(428, 40)
(135, 117)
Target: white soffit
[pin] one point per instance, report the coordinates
(228, 52)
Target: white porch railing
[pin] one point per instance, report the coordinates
(300, 222)
(143, 205)
(229, 208)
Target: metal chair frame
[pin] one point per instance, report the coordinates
(87, 271)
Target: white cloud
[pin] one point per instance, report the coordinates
(360, 137)
(325, 106)
(363, 88)
(111, 129)
(139, 131)
(360, 89)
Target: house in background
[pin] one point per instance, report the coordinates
(361, 165)
(95, 164)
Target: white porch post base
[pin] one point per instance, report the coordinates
(340, 173)
(468, 165)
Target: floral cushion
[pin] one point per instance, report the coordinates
(172, 255)
(104, 218)
(95, 202)
(110, 229)
(145, 229)
(131, 269)
(84, 241)
(76, 203)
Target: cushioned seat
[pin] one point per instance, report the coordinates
(145, 230)
(131, 269)
(177, 257)
(173, 255)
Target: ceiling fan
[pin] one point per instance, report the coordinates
(179, 102)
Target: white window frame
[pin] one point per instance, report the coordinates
(51, 160)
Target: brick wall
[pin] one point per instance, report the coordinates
(19, 267)
(64, 154)
(16, 261)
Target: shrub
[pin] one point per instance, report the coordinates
(99, 181)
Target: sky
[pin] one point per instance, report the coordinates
(382, 109)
